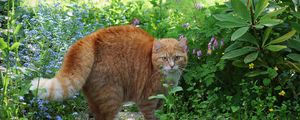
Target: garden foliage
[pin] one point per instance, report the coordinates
(244, 55)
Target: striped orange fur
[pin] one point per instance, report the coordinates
(115, 65)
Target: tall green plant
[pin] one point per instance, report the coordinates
(254, 38)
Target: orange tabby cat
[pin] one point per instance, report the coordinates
(116, 65)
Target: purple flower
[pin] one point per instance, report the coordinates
(215, 43)
(198, 6)
(58, 117)
(199, 54)
(135, 22)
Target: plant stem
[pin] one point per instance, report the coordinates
(253, 23)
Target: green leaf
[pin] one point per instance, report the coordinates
(296, 14)
(274, 13)
(294, 56)
(266, 35)
(277, 88)
(267, 81)
(175, 89)
(15, 46)
(256, 73)
(296, 26)
(230, 18)
(283, 38)
(294, 44)
(276, 48)
(235, 108)
(239, 63)
(3, 44)
(159, 96)
(260, 6)
(240, 8)
(270, 22)
(239, 32)
(17, 29)
(247, 37)
(233, 46)
(226, 24)
(238, 52)
(251, 57)
(272, 73)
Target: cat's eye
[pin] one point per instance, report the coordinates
(163, 58)
(177, 58)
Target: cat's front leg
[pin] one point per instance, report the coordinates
(148, 107)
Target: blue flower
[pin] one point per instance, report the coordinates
(58, 118)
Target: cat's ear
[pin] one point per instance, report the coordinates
(183, 42)
(156, 45)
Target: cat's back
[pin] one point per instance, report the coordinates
(122, 34)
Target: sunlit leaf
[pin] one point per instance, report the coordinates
(270, 22)
(238, 52)
(159, 96)
(276, 48)
(17, 29)
(175, 89)
(239, 32)
(15, 46)
(284, 37)
(3, 44)
(260, 6)
(240, 8)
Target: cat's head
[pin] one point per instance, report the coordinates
(170, 55)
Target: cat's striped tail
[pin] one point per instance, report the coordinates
(76, 67)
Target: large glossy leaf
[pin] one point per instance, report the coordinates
(233, 46)
(250, 57)
(226, 24)
(294, 56)
(274, 13)
(266, 35)
(260, 6)
(3, 44)
(247, 37)
(295, 44)
(240, 8)
(230, 18)
(238, 52)
(270, 22)
(238, 33)
(276, 48)
(283, 38)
